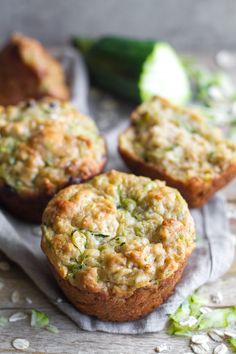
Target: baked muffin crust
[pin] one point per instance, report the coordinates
(46, 145)
(114, 235)
(179, 145)
(27, 70)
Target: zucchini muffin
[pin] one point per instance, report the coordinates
(117, 244)
(27, 70)
(177, 145)
(45, 146)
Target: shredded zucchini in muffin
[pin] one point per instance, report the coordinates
(178, 142)
(45, 144)
(118, 232)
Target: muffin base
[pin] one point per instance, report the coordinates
(27, 208)
(108, 307)
(194, 191)
(30, 207)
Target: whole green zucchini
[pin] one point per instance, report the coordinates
(135, 69)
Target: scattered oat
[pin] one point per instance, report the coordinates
(217, 298)
(161, 348)
(216, 334)
(205, 346)
(15, 296)
(220, 349)
(229, 333)
(200, 348)
(18, 316)
(190, 322)
(20, 343)
(28, 300)
(199, 338)
(59, 300)
(4, 266)
(204, 310)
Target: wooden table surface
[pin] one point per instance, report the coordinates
(71, 339)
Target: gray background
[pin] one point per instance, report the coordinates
(190, 25)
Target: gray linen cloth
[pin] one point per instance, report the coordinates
(211, 259)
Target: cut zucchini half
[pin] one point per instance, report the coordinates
(164, 75)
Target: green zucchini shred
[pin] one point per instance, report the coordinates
(217, 318)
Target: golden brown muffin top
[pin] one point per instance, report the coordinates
(28, 70)
(45, 144)
(117, 232)
(177, 141)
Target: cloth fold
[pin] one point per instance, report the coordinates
(21, 241)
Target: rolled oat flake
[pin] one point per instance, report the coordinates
(199, 339)
(220, 349)
(20, 343)
(200, 348)
(161, 348)
(15, 296)
(216, 335)
(229, 333)
(18, 316)
(28, 300)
